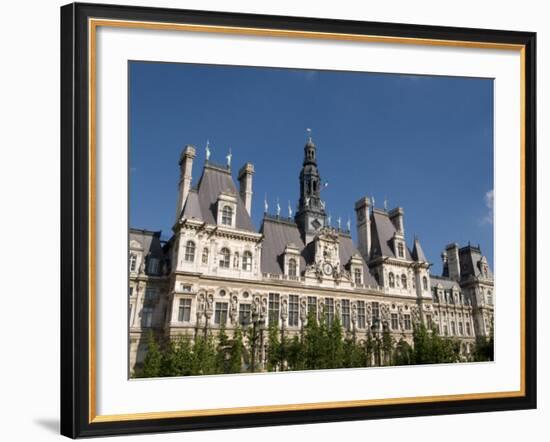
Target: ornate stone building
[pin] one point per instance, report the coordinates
(217, 268)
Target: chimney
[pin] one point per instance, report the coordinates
(186, 167)
(245, 182)
(396, 217)
(362, 213)
(453, 261)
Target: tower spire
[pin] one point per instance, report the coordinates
(310, 216)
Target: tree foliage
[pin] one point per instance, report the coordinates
(320, 345)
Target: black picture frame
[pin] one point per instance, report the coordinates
(75, 221)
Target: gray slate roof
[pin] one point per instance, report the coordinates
(446, 283)
(470, 258)
(382, 234)
(418, 253)
(201, 202)
(278, 233)
(149, 240)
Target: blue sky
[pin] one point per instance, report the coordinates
(424, 143)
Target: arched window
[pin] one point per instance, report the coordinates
(292, 267)
(247, 261)
(425, 283)
(404, 281)
(133, 262)
(392, 280)
(357, 274)
(236, 260)
(189, 251)
(205, 255)
(225, 258)
(227, 216)
(400, 250)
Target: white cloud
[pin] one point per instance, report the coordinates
(489, 201)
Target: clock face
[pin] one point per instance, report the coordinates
(327, 268)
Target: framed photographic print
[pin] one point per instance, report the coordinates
(279, 220)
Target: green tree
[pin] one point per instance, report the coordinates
(313, 352)
(387, 346)
(484, 348)
(369, 349)
(403, 354)
(274, 348)
(222, 362)
(236, 353)
(153, 360)
(205, 355)
(296, 354)
(354, 354)
(335, 354)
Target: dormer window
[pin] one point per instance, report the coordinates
(292, 267)
(133, 262)
(400, 250)
(358, 276)
(227, 216)
(226, 209)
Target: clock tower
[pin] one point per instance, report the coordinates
(311, 215)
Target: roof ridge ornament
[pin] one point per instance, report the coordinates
(207, 149)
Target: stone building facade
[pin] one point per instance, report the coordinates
(217, 268)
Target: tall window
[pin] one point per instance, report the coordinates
(329, 310)
(274, 304)
(425, 283)
(133, 262)
(468, 330)
(312, 306)
(247, 261)
(407, 321)
(189, 251)
(361, 314)
(453, 328)
(345, 314)
(429, 323)
(460, 329)
(150, 296)
(392, 279)
(227, 216)
(130, 291)
(446, 330)
(375, 310)
(184, 312)
(225, 258)
(205, 255)
(401, 250)
(293, 310)
(244, 314)
(236, 260)
(404, 281)
(292, 267)
(358, 275)
(147, 317)
(489, 297)
(153, 266)
(394, 321)
(220, 313)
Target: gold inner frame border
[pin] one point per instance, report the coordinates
(93, 24)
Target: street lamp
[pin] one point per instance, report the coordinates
(375, 328)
